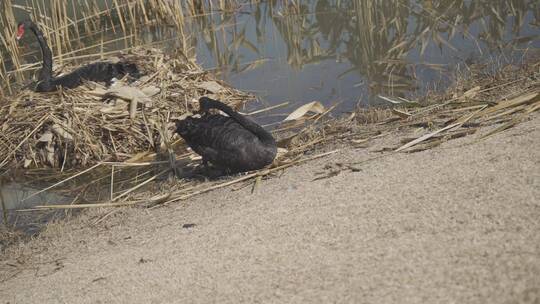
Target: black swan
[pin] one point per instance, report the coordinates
(98, 71)
(233, 142)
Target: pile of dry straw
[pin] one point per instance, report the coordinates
(89, 124)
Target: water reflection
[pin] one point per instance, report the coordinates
(331, 50)
(15, 196)
(354, 50)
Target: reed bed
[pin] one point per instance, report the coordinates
(128, 147)
(499, 100)
(479, 99)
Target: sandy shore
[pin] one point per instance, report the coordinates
(456, 224)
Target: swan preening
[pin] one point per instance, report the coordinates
(99, 71)
(233, 142)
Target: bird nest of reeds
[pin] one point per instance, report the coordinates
(92, 123)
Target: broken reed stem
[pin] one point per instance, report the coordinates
(112, 183)
(283, 104)
(458, 124)
(141, 184)
(4, 208)
(63, 181)
(425, 137)
(154, 200)
(127, 164)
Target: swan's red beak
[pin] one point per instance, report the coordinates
(20, 32)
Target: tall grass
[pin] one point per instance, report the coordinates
(69, 24)
(375, 36)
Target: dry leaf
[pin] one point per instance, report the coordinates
(49, 150)
(129, 93)
(113, 109)
(360, 141)
(98, 91)
(27, 163)
(46, 137)
(210, 86)
(401, 114)
(151, 91)
(400, 101)
(470, 93)
(281, 152)
(315, 107)
(61, 132)
(133, 108)
(393, 101)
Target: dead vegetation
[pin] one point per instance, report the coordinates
(80, 127)
(503, 99)
(121, 140)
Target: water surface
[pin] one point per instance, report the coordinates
(353, 51)
(348, 51)
(17, 196)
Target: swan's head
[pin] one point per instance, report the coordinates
(186, 127)
(22, 27)
(206, 104)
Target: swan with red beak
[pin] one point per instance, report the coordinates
(98, 71)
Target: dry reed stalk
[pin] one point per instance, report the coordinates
(141, 184)
(280, 105)
(154, 200)
(4, 208)
(63, 181)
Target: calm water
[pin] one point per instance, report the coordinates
(345, 51)
(17, 196)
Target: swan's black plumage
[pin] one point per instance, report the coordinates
(99, 71)
(234, 142)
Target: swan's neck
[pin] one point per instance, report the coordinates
(46, 70)
(264, 136)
